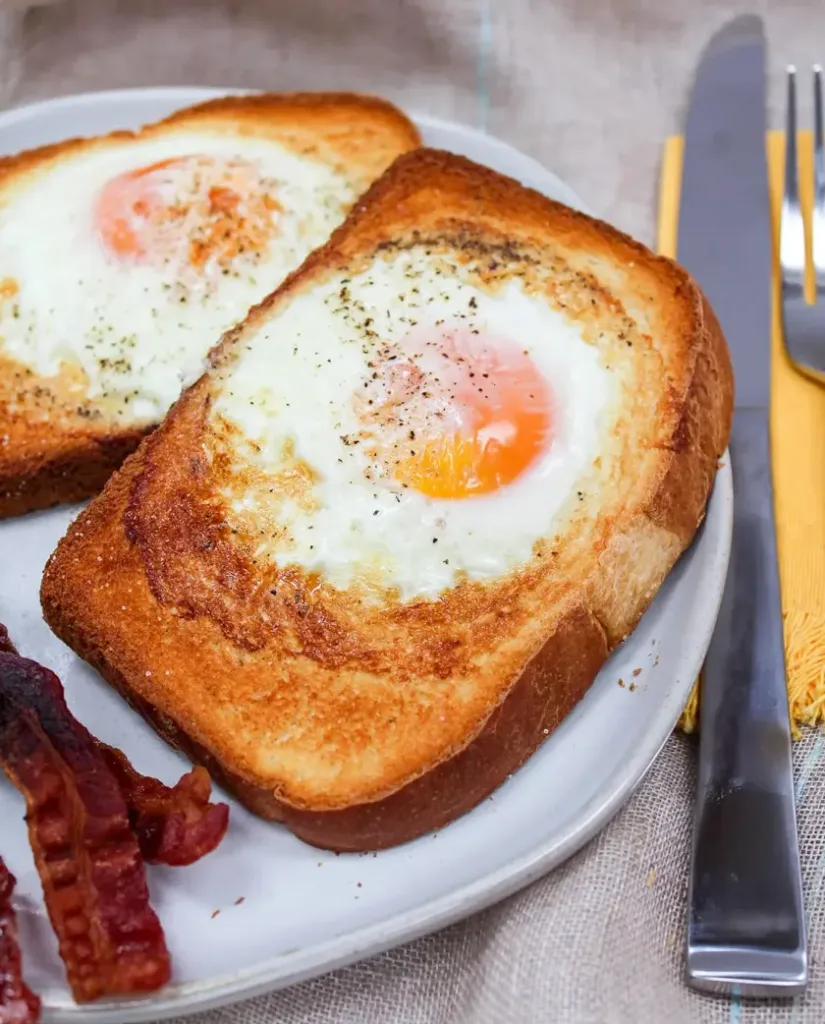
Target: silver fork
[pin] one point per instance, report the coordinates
(803, 324)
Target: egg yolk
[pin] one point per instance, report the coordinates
(198, 210)
(474, 410)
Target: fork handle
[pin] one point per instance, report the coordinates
(746, 930)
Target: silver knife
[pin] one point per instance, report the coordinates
(746, 927)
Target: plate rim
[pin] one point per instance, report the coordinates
(320, 958)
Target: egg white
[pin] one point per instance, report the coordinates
(123, 323)
(292, 383)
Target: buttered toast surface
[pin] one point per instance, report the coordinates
(123, 258)
(381, 548)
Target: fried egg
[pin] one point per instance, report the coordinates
(405, 427)
(128, 260)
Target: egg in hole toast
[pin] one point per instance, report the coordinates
(382, 547)
(123, 257)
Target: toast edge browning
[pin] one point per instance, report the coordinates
(64, 469)
(70, 466)
(556, 678)
(545, 693)
(251, 105)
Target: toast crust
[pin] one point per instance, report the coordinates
(55, 446)
(169, 609)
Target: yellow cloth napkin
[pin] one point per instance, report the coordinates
(798, 454)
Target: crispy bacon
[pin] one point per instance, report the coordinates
(18, 1004)
(5, 642)
(176, 825)
(85, 850)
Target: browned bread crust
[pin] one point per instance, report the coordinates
(410, 713)
(51, 449)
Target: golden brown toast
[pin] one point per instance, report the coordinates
(357, 715)
(60, 439)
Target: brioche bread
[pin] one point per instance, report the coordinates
(124, 257)
(366, 699)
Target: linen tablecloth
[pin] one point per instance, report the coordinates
(591, 88)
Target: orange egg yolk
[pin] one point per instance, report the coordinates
(473, 413)
(198, 210)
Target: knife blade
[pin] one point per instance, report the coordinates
(746, 925)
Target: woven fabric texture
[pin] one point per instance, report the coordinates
(591, 88)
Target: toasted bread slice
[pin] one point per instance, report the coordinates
(100, 329)
(351, 697)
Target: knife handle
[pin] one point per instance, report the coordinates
(746, 929)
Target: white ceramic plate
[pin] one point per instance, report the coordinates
(304, 912)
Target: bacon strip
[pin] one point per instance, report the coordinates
(176, 825)
(18, 1004)
(85, 850)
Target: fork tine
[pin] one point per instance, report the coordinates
(818, 219)
(792, 228)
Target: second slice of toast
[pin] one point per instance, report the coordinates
(378, 552)
(123, 258)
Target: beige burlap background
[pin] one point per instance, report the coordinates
(591, 88)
